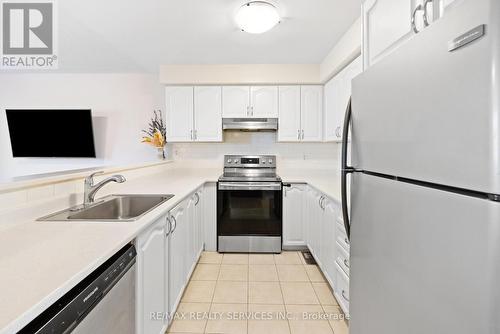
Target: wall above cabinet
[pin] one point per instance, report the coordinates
(238, 74)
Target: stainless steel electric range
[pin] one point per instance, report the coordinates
(249, 205)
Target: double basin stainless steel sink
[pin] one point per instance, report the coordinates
(115, 208)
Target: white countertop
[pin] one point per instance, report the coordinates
(40, 262)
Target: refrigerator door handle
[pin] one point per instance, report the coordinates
(346, 169)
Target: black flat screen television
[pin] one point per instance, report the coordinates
(54, 133)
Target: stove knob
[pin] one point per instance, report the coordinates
(270, 161)
(229, 161)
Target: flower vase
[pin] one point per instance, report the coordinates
(161, 153)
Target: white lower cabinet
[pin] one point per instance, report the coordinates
(185, 245)
(327, 241)
(313, 222)
(152, 277)
(179, 257)
(331, 210)
(209, 221)
(341, 289)
(294, 196)
(167, 253)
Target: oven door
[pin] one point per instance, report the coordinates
(249, 216)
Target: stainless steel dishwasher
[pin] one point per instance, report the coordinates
(104, 302)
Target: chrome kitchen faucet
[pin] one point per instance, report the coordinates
(91, 188)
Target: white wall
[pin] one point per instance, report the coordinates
(345, 51)
(121, 105)
(239, 74)
(236, 142)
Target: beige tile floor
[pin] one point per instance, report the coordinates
(257, 294)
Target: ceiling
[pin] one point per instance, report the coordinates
(131, 35)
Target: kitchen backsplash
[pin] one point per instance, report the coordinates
(236, 142)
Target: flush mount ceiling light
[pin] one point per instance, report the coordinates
(256, 17)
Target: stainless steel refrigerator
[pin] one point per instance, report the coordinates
(424, 214)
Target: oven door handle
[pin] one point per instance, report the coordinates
(249, 186)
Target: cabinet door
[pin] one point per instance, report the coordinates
(289, 114)
(293, 212)
(311, 111)
(333, 114)
(344, 91)
(235, 101)
(314, 218)
(151, 288)
(386, 24)
(208, 114)
(198, 220)
(190, 240)
(179, 104)
(178, 254)
(210, 216)
(264, 101)
(328, 241)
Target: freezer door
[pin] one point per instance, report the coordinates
(422, 260)
(428, 114)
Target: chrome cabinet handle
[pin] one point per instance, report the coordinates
(175, 225)
(319, 202)
(426, 18)
(337, 132)
(302, 134)
(343, 295)
(195, 134)
(413, 20)
(191, 134)
(346, 241)
(251, 108)
(346, 263)
(169, 224)
(298, 134)
(197, 199)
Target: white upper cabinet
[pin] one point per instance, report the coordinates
(264, 101)
(179, 104)
(333, 113)
(235, 101)
(388, 23)
(207, 113)
(311, 109)
(337, 93)
(250, 102)
(300, 113)
(289, 113)
(194, 114)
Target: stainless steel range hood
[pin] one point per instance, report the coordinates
(250, 124)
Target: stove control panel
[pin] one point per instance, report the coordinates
(246, 161)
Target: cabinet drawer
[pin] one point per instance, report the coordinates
(342, 238)
(342, 289)
(343, 258)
